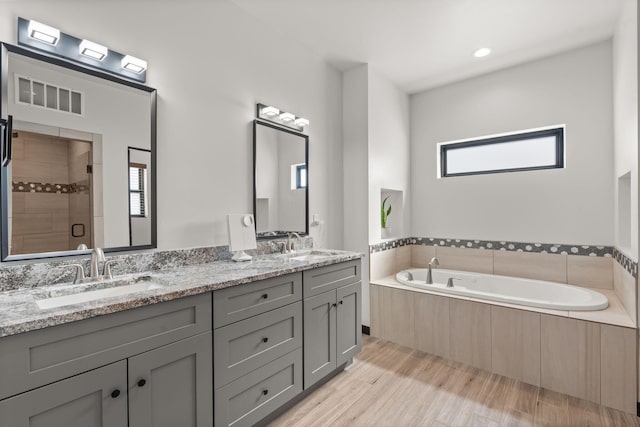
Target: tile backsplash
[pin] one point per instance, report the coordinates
(33, 274)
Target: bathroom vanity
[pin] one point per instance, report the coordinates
(219, 343)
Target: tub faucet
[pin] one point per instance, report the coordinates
(450, 281)
(434, 262)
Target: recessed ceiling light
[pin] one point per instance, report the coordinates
(482, 52)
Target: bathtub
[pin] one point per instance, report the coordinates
(512, 290)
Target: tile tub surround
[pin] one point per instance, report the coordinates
(600, 273)
(591, 355)
(544, 248)
(19, 312)
(32, 274)
(588, 271)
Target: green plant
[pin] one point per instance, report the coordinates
(385, 212)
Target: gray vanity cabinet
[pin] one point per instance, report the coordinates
(349, 322)
(332, 318)
(96, 398)
(145, 367)
(171, 385)
(257, 349)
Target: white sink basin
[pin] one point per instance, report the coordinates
(77, 294)
(315, 255)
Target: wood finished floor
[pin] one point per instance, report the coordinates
(390, 385)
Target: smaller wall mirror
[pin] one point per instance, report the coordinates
(280, 180)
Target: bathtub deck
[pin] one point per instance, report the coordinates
(615, 314)
(390, 385)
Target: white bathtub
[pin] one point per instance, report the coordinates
(513, 290)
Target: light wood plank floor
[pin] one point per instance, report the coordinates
(390, 385)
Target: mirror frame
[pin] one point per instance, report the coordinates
(7, 48)
(256, 123)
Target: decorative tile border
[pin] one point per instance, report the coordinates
(626, 262)
(544, 248)
(46, 187)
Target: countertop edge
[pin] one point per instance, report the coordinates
(37, 319)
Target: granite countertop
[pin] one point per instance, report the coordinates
(19, 311)
(614, 314)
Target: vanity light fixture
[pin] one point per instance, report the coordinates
(482, 52)
(287, 117)
(270, 111)
(282, 118)
(43, 33)
(93, 50)
(301, 121)
(134, 64)
(85, 53)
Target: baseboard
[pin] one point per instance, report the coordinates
(366, 330)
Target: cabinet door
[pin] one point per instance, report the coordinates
(96, 398)
(349, 322)
(319, 337)
(172, 385)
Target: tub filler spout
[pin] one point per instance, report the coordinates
(433, 263)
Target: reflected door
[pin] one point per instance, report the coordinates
(51, 193)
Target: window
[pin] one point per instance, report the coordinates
(137, 189)
(298, 176)
(301, 176)
(542, 149)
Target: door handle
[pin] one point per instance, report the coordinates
(7, 134)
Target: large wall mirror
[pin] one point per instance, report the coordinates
(281, 190)
(80, 169)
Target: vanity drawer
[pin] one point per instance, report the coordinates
(330, 277)
(255, 395)
(41, 357)
(243, 301)
(243, 346)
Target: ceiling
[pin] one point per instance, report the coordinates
(421, 44)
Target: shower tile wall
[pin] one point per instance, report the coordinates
(41, 218)
(40, 221)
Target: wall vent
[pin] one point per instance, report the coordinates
(47, 95)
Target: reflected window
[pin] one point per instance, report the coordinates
(301, 176)
(137, 189)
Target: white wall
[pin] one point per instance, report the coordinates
(211, 62)
(625, 120)
(389, 146)
(356, 171)
(292, 201)
(267, 173)
(376, 155)
(572, 205)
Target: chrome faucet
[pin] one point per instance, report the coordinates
(97, 256)
(433, 263)
(450, 281)
(289, 245)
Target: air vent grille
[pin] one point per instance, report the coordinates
(50, 96)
